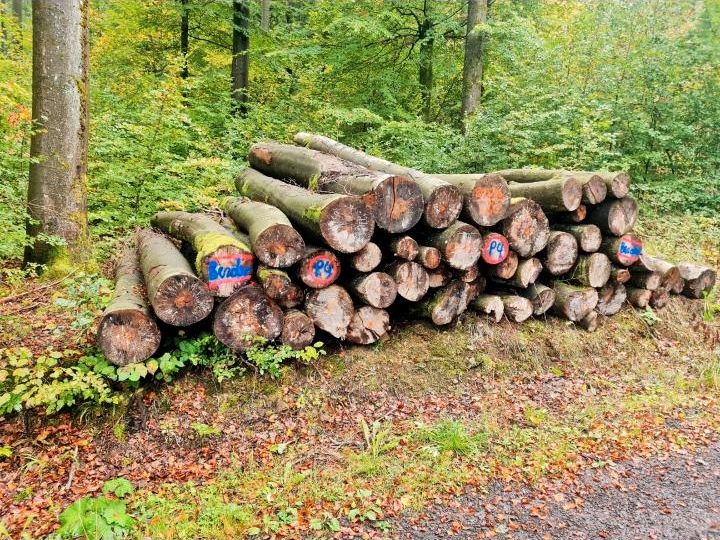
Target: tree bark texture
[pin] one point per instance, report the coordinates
(473, 62)
(444, 304)
(541, 296)
(699, 280)
(554, 195)
(614, 216)
(240, 66)
(671, 278)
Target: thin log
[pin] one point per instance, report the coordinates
(460, 244)
(396, 200)
(128, 332)
(489, 304)
(439, 277)
(614, 216)
(444, 304)
(611, 298)
(404, 247)
(495, 248)
(486, 196)
(640, 298)
(541, 296)
(272, 237)
(331, 309)
(589, 237)
(367, 259)
(555, 195)
(469, 275)
(659, 298)
(617, 183)
(526, 227)
(591, 321)
(573, 302)
(560, 253)
(429, 257)
(223, 260)
(377, 289)
(279, 287)
(298, 330)
(517, 308)
(176, 294)
(699, 280)
(619, 275)
(671, 278)
(507, 268)
(592, 270)
(318, 268)
(343, 222)
(368, 324)
(246, 315)
(443, 201)
(527, 272)
(643, 279)
(624, 250)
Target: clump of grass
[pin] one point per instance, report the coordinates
(710, 373)
(452, 436)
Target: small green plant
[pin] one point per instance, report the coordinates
(378, 438)
(205, 431)
(268, 358)
(649, 317)
(711, 305)
(710, 372)
(451, 436)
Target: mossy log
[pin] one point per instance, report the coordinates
(396, 200)
(246, 315)
(592, 270)
(561, 253)
(699, 280)
(516, 308)
(429, 257)
(489, 304)
(367, 259)
(279, 287)
(614, 216)
(526, 227)
(507, 268)
(590, 322)
(460, 244)
(486, 196)
(176, 294)
(541, 296)
(318, 267)
(444, 304)
(495, 248)
(298, 330)
(671, 278)
(331, 310)
(439, 277)
(377, 289)
(443, 201)
(412, 280)
(617, 183)
(555, 195)
(343, 222)
(640, 298)
(128, 332)
(624, 250)
(404, 247)
(589, 237)
(368, 325)
(611, 298)
(223, 260)
(573, 302)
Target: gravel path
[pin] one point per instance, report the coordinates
(677, 498)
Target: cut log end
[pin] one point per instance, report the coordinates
(404, 247)
(574, 303)
(579, 214)
(182, 300)
(439, 277)
(367, 259)
(429, 257)
(594, 191)
(528, 270)
(378, 289)
(541, 296)
(398, 204)
(246, 315)
(280, 288)
(591, 321)
(463, 249)
(347, 224)
(619, 185)
(298, 330)
(639, 298)
(319, 269)
(443, 207)
(279, 246)
(330, 309)
(128, 336)
(659, 298)
(625, 250)
(447, 303)
(368, 324)
(611, 298)
(412, 280)
(490, 305)
(561, 253)
(507, 268)
(517, 308)
(489, 200)
(495, 248)
(699, 280)
(227, 269)
(526, 227)
(592, 270)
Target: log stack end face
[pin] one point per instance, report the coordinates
(398, 204)
(347, 224)
(320, 269)
(279, 246)
(226, 268)
(245, 314)
(526, 228)
(495, 248)
(128, 336)
(464, 248)
(629, 249)
(489, 200)
(443, 207)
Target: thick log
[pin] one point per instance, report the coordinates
(279, 287)
(368, 324)
(617, 183)
(176, 294)
(246, 315)
(573, 302)
(460, 244)
(223, 260)
(555, 195)
(614, 216)
(318, 268)
(517, 308)
(404, 247)
(429, 257)
(443, 201)
(560, 253)
(589, 237)
(619, 275)
(377, 289)
(699, 280)
(640, 298)
(495, 248)
(527, 272)
(396, 200)
(298, 330)
(272, 237)
(526, 227)
(127, 332)
(412, 279)
(592, 270)
(643, 279)
(367, 259)
(611, 298)
(590, 321)
(671, 278)
(469, 275)
(439, 277)
(659, 298)
(507, 268)
(343, 222)
(541, 296)
(444, 304)
(624, 250)
(331, 309)
(486, 196)
(489, 304)
(594, 190)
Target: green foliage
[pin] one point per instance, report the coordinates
(267, 358)
(204, 431)
(451, 436)
(378, 438)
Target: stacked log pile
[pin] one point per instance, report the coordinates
(324, 237)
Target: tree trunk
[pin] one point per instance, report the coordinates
(412, 279)
(265, 15)
(177, 296)
(594, 190)
(526, 227)
(541, 296)
(367, 259)
(396, 200)
(279, 287)
(128, 332)
(625, 250)
(592, 270)
(404, 247)
(495, 248)
(57, 200)
(699, 280)
(331, 309)
(617, 183)
(319, 268)
(377, 289)
(507, 268)
(460, 244)
(425, 70)
(429, 257)
(368, 324)
(589, 237)
(560, 254)
(240, 59)
(298, 330)
(640, 298)
(572, 302)
(615, 216)
(17, 8)
(184, 38)
(443, 201)
(590, 321)
(474, 62)
(611, 298)
(554, 195)
(619, 275)
(489, 304)
(246, 315)
(343, 222)
(526, 273)
(486, 197)
(517, 308)
(272, 237)
(223, 261)
(671, 278)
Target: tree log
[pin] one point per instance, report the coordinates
(223, 261)
(592, 270)
(128, 332)
(526, 227)
(617, 183)
(444, 305)
(611, 298)
(298, 330)
(517, 308)
(495, 248)
(699, 280)
(489, 304)
(412, 279)
(671, 278)
(273, 239)
(318, 268)
(475, 288)
(246, 315)
(527, 272)
(591, 320)
(555, 195)
(443, 201)
(367, 259)
(378, 289)
(404, 247)
(589, 237)
(614, 216)
(460, 244)
(469, 275)
(330, 309)
(619, 275)
(624, 250)
(177, 296)
(640, 298)
(560, 253)
(279, 287)
(368, 324)
(572, 302)
(541, 296)
(429, 257)
(344, 223)
(507, 268)
(486, 196)
(594, 190)
(642, 279)
(396, 200)
(439, 277)
(659, 298)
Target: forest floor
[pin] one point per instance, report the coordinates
(431, 433)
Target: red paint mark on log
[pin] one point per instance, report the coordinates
(495, 248)
(320, 271)
(629, 249)
(229, 270)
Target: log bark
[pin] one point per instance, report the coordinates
(298, 330)
(128, 332)
(474, 60)
(611, 298)
(318, 267)
(659, 298)
(343, 222)
(222, 260)
(377, 289)
(489, 304)
(444, 305)
(240, 65)
(439, 277)
(617, 183)
(367, 325)
(460, 244)
(443, 201)
(699, 280)
(592, 270)
(476, 287)
(412, 279)
(396, 200)
(640, 298)
(246, 315)
(619, 275)
(429, 257)
(177, 296)
(625, 250)
(555, 195)
(517, 308)
(573, 302)
(642, 279)
(671, 278)
(541, 296)
(404, 247)
(591, 321)
(273, 239)
(589, 237)
(614, 216)
(331, 309)
(367, 259)
(486, 197)
(495, 248)
(279, 287)
(561, 253)
(507, 268)
(526, 227)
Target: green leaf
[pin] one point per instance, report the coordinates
(118, 486)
